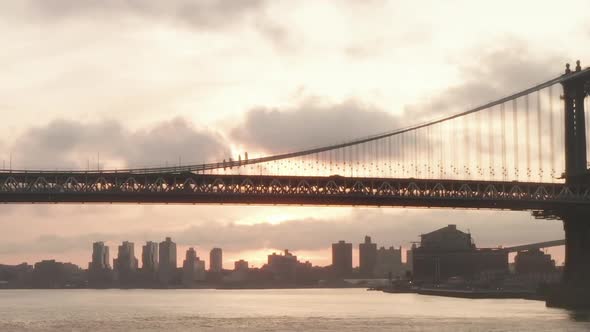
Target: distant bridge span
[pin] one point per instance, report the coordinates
(539, 245)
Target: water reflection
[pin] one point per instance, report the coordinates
(579, 315)
(270, 310)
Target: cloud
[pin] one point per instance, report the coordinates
(311, 123)
(281, 38)
(318, 233)
(386, 44)
(492, 74)
(69, 143)
(206, 15)
(210, 14)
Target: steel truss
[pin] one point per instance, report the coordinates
(192, 188)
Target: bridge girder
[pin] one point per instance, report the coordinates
(189, 188)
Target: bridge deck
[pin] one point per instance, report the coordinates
(190, 188)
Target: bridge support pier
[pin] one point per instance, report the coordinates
(574, 292)
(577, 251)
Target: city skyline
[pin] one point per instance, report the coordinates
(100, 251)
(229, 264)
(440, 255)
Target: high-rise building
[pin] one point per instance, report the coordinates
(240, 273)
(193, 269)
(167, 264)
(126, 257)
(367, 257)
(241, 265)
(149, 257)
(283, 267)
(100, 273)
(410, 258)
(342, 259)
(126, 263)
(389, 263)
(216, 260)
(100, 257)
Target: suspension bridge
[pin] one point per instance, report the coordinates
(524, 152)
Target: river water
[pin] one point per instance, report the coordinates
(272, 310)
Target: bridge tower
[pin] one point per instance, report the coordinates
(575, 91)
(576, 222)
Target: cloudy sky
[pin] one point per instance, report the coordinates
(149, 82)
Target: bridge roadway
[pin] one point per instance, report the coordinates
(190, 188)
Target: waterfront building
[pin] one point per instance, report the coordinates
(449, 252)
(193, 269)
(367, 257)
(167, 264)
(53, 274)
(341, 259)
(15, 276)
(47, 274)
(533, 261)
(216, 260)
(447, 239)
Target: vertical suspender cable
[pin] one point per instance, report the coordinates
(551, 133)
(402, 150)
(491, 141)
(503, 124)
(375, 157)
(467, 140)
(441, 166)
(331, 153)
(418, 152)
(539, 135)
(366, 147)
(429, 142)
(397, 155)
(478, 147)
(415, 146)
(454, 147)
(389, 153)
(383, 156)
(515, 136)
(527, 137)
(351, 161)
